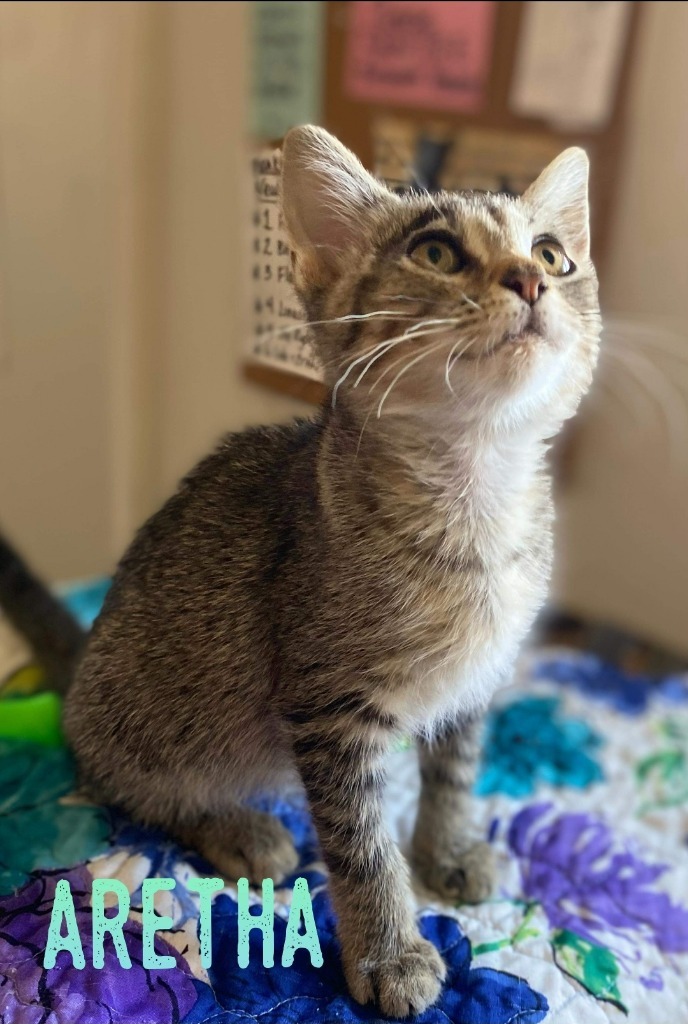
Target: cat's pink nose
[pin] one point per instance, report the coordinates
(529, 284)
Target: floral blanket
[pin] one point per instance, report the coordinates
(583, 793)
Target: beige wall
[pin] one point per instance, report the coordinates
(624, 521)
(121, 170)
(204, 392)
(181, 342)
(55, 480)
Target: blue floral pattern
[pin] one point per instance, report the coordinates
(595, 678)
(304, 995)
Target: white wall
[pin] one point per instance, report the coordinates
(623, 523)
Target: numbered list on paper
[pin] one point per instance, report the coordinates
(278, 335)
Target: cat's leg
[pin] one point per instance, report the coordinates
(242, 843)
(384, 957)
(444, 854)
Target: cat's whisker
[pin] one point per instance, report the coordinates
(450, 363)
(460, 354)
(379, 355)
(365, 424)
(423, 298)
(388, 369)
(411, 334)
(619, 396)
(412, 175)
(648, 336)
(391, 365)
(368, 316)
(405, 369)
(643, 371)
(451, 352)
(622, 342)
(379, 349)
(384, 345)
(389, 314)
(642, 396)
(422, 324)
(669, 399)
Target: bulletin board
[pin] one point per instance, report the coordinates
(506, 101)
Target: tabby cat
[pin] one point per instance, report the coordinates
(313, 592)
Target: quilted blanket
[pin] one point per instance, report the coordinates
(583, 792)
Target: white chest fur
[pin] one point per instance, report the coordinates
(465, 629)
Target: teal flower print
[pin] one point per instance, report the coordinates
(37, 829)
(528, 742)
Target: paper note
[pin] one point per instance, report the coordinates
(287, 59)
(277, 336)
(568, 61)
(472, 158)
(420, 54)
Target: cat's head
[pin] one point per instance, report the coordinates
(467, 308)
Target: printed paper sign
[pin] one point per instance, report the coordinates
(278, 336)
(287, 57)
(419, 54)
(568, 61)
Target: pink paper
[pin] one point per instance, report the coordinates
(420, 54)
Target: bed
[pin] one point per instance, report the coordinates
(582, 792)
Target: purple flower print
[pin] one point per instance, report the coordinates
(570, 867)
(64, 995)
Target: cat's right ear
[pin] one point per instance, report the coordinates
(326, 194)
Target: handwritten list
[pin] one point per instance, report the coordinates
(278, 335)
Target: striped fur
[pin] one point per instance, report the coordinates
(314, 591)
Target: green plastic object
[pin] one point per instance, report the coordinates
(35, 718)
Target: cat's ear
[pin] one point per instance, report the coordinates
(326, 194)
(558, 201)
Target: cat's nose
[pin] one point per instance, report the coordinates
(528, 283)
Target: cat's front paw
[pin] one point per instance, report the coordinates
(262, 848)
(466, 876)
(402, 986)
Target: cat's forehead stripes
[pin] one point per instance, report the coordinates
(485, 227)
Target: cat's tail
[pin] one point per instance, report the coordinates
(54, 635)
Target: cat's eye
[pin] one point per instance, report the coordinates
(550, 255)
(437, 252)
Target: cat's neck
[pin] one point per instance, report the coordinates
(424, 481)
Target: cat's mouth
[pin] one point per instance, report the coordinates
(526, 336)
(529, 333)
(521, 337)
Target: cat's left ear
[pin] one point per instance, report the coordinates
(558, 202)
(327, 198)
